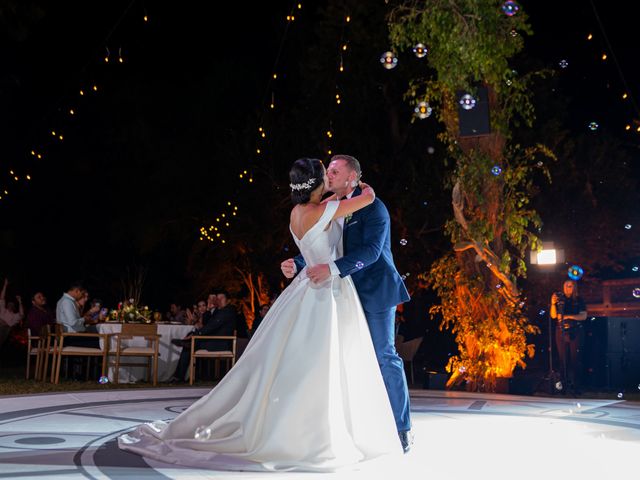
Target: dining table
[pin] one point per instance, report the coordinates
(168, 352)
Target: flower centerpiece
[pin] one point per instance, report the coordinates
(129, 312)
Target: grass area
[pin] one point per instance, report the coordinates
(13, 382)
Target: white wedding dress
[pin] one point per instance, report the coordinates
(307, 393)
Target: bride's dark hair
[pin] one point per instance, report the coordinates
(305, 175)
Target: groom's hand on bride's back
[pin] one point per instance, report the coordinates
(288, 268)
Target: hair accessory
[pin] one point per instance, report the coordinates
(304, 185)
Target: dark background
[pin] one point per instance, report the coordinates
(155, 154)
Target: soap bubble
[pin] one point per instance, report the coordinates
(403, 242)
(403, 277)
(563, 63)
(542, 312)
(513, 32)
(103, 379)
(389, 60)
(634, 268)
(467, 101)
(510, 8)
(593, 126)
(420, 50)
(636, 292)
(575, 272)
(202, 433)
(559, 386)
(496, 170)
(359, 265)
(423, 110)
(627, 226)
(431, 150)
(462, 369)
(620, 395)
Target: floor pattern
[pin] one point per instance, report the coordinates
(457, 435)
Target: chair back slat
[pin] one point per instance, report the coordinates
(139, 329)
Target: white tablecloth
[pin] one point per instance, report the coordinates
(169, 353)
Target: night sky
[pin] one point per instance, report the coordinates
(155, 153)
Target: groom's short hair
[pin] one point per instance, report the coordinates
(352, 162)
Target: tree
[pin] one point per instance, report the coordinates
(470, 43)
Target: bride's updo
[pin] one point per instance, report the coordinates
(305, 175)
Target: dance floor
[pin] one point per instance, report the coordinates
(457, 435)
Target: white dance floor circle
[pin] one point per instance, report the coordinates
(458, 435)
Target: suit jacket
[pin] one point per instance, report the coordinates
(222, 322)
(366, 241)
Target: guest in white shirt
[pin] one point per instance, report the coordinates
(67, 314)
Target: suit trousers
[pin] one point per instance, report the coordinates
(382, 328)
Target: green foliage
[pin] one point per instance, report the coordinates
(470, 43)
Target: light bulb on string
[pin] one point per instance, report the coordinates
(120, 59)
(95, 88)
(348, 19)
(272, 105)
(299, 6)
(627, 127)
(71, 111)
(106, 57)
(590, 36)
(624, 96)
(341, 68)
(81, 93)
(604, 56)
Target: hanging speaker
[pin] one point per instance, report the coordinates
(473, 112)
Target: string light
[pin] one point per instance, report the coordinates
(17, 176)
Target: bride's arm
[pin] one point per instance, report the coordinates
(329, 198)
(356, 203)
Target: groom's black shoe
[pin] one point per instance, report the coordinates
(406, 439)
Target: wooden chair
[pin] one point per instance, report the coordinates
(217, 355)
(73, 351)
(407, 350)
(33, 350)
(48, 347)
(150, 351)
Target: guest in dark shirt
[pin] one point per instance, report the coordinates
(39, 315)
(221, 323)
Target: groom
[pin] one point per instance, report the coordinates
(367, 257)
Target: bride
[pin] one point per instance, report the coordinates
(307, 393)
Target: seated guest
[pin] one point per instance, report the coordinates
(10, 315)
(175, 314)
(67, 314)
(259, 316)
(40, 314)
(222, 322)
(195, 318)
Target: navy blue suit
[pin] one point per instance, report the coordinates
(367, 258)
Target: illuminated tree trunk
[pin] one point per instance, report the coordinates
(471, 42)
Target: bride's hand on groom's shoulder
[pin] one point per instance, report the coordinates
(367, 189)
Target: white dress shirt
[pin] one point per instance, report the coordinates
(67, 315)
